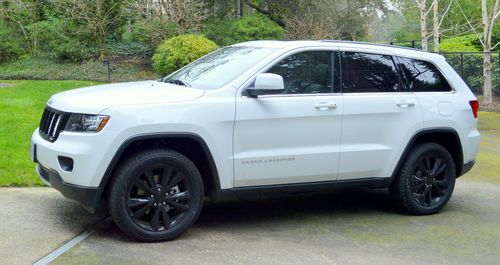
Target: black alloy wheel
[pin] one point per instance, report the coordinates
(429, 181)
(156, 195)
(159, 197)
(426, 180)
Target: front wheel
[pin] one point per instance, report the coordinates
(156, 195)
(426, 180)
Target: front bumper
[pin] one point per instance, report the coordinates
(80, 181)
(89, 197)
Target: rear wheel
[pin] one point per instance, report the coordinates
(426, 179)
(156, 195)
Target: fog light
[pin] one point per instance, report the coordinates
(65, 163)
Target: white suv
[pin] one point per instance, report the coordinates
(258, 117)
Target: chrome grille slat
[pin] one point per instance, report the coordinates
(52, 123)
(56, 125)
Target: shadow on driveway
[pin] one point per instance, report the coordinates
(341, 227)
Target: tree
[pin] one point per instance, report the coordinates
(98, 18)
(436, 23)
(308, 19)
(21, 13)
(424, 11)
(186, 14)
(488, 17)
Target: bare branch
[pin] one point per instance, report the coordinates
(470, 25)
(430, 8)
(494, 46)
(445, 12)
(263, 11)
(495, 16)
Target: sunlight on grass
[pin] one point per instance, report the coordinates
(487, 166)
(21, 106)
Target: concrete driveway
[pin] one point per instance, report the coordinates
(35, 221)
(341, 227)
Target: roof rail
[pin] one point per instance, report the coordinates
(373, 44)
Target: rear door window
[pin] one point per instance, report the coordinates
(368, 73)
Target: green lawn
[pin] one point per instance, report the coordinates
(487, 166)
(22, 103)
(21, 106)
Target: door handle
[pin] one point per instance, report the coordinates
(405, 104)
(325, 106)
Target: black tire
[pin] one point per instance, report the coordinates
(426, 180)
(156, 195)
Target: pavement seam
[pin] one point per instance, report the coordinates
(68, 245)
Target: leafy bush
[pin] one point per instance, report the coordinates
(10, 47)
(55, 39)
(178, 51)
(254, 27)
(466, 43)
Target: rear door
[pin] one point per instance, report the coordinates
(379, 118)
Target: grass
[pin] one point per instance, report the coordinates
(22, 103)
(487, 166)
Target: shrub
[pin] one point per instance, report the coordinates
(178, 51)
(466, 43)
(253, 27)
(10, 47)
(56, 40)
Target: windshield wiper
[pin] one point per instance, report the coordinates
(176, 82)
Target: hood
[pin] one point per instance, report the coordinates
(94, 99)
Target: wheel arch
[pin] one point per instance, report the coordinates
(446, 137)
(189, 144)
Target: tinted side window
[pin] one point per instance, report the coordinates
(306, 72)
(422, 76)
(365, 72)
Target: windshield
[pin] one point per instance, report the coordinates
(219, 68)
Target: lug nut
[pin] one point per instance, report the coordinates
(164, 203)
(152, 196)
(159, 189)
(155, 204)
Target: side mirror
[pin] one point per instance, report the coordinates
(266, 84)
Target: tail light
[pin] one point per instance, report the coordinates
(474, 104)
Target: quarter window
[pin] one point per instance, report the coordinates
(366, 72)
(422, 76)
(306, 72)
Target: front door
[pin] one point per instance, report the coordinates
(291, 137)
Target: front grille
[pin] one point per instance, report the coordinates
(52, 123)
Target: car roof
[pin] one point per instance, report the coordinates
(289, 45)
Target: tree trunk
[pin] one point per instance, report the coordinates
(488, 29)
(436, 25)
(423, 24)
(487, 86)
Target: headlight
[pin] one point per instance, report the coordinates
(86, 123)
